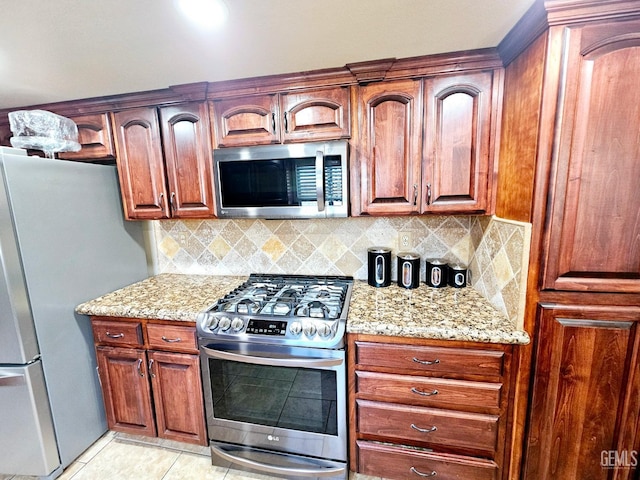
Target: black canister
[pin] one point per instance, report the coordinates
(408, 270)
(379, 263)
(458, 276)
(437, 273)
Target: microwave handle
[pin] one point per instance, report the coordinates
(320, 179)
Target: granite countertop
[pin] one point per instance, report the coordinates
(167, 296)
(425, 312)
(445, 313)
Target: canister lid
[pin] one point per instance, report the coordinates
(408, 256)
(379, 250)
(457, 266)
(436, 262)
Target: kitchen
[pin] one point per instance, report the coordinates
(595, 305)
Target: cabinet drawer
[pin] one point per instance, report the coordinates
(117, 333)
(472, 433)
(396, 462)
(427, 391)
(430, 359)
(179, 338)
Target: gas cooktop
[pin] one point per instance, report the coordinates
(281, 309)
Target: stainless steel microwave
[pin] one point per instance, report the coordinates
(299, 180)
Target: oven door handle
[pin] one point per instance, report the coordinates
(303, 362)
(265, 467)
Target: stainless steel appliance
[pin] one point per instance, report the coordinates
(274, 376)
(299, 180)
(63, 241)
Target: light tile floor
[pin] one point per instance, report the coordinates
(130, 457)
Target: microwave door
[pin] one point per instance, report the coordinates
(320, 179)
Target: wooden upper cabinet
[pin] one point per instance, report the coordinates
(314, 115)
(151, 189)
(94, 135)
(595, 202)
(246, 121)
(586, 393)
(457, 161)
(389, 148)
(5, 135)
(307, 115)
(187, 152)
(140, 164)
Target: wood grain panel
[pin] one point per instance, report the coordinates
(390, 147)
(246, 121)
(581, 382)
(429, 427)
(175, 338)
(402, 463)
(593, 241)
(435, 360)
(125, 390)
(140, 163)
(316, 115)
(177, 392)
(423, 391)
(188, 158)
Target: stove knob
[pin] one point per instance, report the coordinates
(324, 330)
(225, 323)
(237, 324)
(211, 323)
(295, 328)
(309, 329)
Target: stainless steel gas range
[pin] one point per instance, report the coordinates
(274, 376)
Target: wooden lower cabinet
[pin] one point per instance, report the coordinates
(125, 390)
(404, 463)
(426, 408)
(174, 379)
(586, 394)
(148, 391)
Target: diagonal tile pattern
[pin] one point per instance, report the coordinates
(494, 249)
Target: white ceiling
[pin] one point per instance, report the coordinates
(56, 50)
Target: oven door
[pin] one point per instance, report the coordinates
(278, 398)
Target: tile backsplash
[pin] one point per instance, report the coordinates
(494, 249)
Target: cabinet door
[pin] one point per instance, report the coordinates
(125, 390)
(389, 152)
(244, 121)
(177, 391)
(595, 224)
(315, 115)
(586, 393)
(457, 163)
(94, 134)
(140, 164)
(5, 135)
(188, 158)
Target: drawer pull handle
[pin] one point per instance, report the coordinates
(115, 335)
(426, 362)
(417, 472)
(424, 430)
(424, 394)
(171, 340)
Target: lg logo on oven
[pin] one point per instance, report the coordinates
(273, 438)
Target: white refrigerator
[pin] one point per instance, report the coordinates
(63, 241)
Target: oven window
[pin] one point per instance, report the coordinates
(294, 398)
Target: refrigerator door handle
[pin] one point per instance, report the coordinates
(11, 379)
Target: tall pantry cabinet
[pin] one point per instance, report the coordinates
(570, 165)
